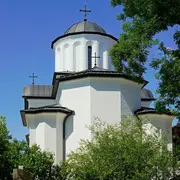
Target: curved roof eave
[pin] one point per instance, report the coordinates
(77, 33)
(45, 109)
(146, 111)
(110, 74)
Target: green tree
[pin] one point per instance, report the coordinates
(6, 164)
(144, 19)
(164, 12)
(14, 153)
(38, 162)
(129, 55)
(121, 151)
(168, 74)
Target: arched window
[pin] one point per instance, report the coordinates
(89, 57)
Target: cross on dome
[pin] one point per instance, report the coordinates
(85, 12)
(33, 78)
(95, 57)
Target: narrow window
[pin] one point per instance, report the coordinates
(89, 57)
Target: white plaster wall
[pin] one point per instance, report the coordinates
(71, 52)
(32, 130)
(130, 97)
(59, 139)
(46, 130)
(76, 96)
(76, 55)
(105, 100)
(58, 59)
(159, 124)
(71, 137)
(91, 98)
(40, 134)
(36, 126)
(112, 98)
(50, 132)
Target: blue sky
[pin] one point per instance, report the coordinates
(27, 29)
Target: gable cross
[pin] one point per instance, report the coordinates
(33, 78)
(95, 57)
(85, 12)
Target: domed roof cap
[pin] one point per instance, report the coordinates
(85, 26)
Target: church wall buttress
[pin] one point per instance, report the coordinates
(102, 48)
(84, 57)
(76, 56)
(58, 59)
(105, 60)
(59, 139)
(40, 133)
(61, 62)
(97, 51)
(68, 135)
(32, 132)
(65, 57)
(70, 60)
(76, 126)
(46, 130)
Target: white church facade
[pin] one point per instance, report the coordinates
(82, 89)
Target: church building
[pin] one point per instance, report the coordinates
(85, 86)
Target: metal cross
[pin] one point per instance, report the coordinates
(95, 57)
(85, 12)
(33, 77)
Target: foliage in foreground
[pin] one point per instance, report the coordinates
(121, 151)
(14, 153)
(5, 161)
(40, 164)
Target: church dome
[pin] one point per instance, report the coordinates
(85, 26)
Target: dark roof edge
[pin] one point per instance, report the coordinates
(148, 99)
(93, 74)
(152, 111)
(79, 75)
(37, 111)
(147, 82)
(77, 33)
(38, 97)
(23, 118)
(60, 74)
(27, 138)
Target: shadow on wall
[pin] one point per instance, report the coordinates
(102, 85)
(69, 127)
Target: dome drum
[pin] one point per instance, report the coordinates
(74, 50)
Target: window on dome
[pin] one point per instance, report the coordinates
(89, 57)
